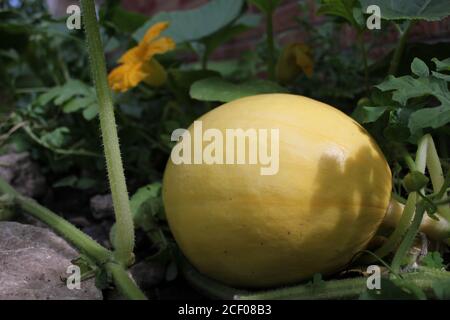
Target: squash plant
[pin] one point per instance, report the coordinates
(396, 105)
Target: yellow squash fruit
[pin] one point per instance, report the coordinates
(323, 206)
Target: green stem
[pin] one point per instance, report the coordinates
(75, 236)
(270, 45)
(398, 53)
(126, 286)
(410, 162)
(334, 289)
(100, 255)
(421, 155)
(409, 239)
(207, 286)
(437, 176)
(402, 227)
(125, 229)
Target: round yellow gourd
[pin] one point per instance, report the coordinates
(323, 206)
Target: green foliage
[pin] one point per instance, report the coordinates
(442, 289)
(429, 10)
(403, 107)
(433, 260)
(394, 289)
(195, 24)
(346, 9)
(409, 87)
(146, 205)
(217, 89)
(73, 96)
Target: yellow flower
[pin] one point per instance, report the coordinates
(138, 64)
(295, 58)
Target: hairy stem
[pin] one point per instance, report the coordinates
(75, 236)
(334, 289)
(100, 255)
(126, 286)
(125, 229)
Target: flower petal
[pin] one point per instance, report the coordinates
(134, 55)
(159, 46)
(154, 31)
(126, 76)
(117, 78)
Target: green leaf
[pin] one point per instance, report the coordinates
(70, 89)
(429, 10)
(441, 76)
(73, 96)
(364, 114)
(390, 290)
(430, 117)
(443, 65)
(91, 111)
(340, 8)
(56, 138)
(218, 89)
(433, 260)
(419, 68)
(77, 104)
(407, 87)
(195, 24)
(145, 204)
(266, 6)
(441, 289)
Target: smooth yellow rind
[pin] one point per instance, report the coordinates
(324, 205)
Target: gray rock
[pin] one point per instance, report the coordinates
(102, 206)
(33, 262)
(23, 174)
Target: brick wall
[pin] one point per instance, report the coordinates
(287, 29)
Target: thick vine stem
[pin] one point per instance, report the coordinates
(100, 255)
(124, 283)
(334, 289)
(75, 236)
(125, 230)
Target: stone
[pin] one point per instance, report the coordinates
(33, 264)
(102, 206)
(23, 174)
